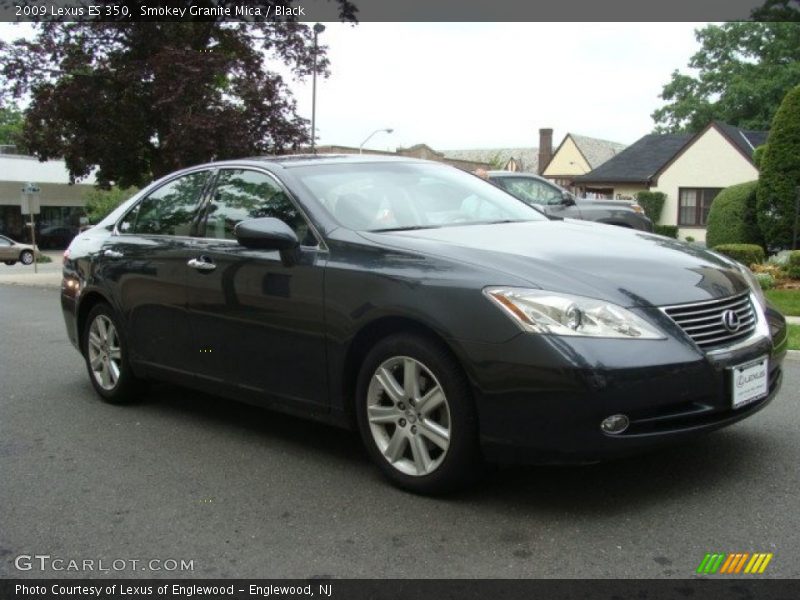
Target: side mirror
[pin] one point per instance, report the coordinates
(266, 233)
(567, 199)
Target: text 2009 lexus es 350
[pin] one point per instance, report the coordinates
(446, 320)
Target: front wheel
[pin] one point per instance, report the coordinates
(416, 415)
(26, 257)
(106, 353)
(10, 263)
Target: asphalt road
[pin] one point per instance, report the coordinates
(243, 492)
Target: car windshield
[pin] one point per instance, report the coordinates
(530, 190)
(396, 196)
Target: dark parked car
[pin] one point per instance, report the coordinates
(444, 319)
(56, 237)
(555, 201)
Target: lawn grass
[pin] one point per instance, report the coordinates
(787, 301)
(794, 337)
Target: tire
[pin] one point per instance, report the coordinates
(105, 350)
(428, 447)
(26, 257)
(10, 263)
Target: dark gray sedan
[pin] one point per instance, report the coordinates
(442, 318)
(555, 201)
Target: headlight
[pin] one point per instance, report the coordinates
(562, 314)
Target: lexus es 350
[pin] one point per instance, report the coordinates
(445, 320)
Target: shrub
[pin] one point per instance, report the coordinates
(780, 174)
(43, 258)
(667, 230)
(732, 218)
(747, 254)
(769, 268)
(765, 280)
(781, 258)
(651, 203)
(689, 238)
(793, 265)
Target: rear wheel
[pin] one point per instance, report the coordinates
(26, 257)
(416, 415)
(106, 353)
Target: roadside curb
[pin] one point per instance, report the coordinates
(793, 355)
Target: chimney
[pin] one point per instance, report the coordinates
(545, 148)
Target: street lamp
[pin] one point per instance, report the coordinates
(361, 147)
(318, 28)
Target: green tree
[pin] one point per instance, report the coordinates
(741, 73)
(780, 174)
(139, 100)
(10, 126)
(99, 203)
(778, 10)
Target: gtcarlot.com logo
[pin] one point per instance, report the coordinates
(46, 562)
(734, 563)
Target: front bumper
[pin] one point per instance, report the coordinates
(541, 399)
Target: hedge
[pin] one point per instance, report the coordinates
(732, 218)
(652, 203)
(747, 254)
(780, 174)
(667, 230)
(793, 266)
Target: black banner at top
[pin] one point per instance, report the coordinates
(379, 10)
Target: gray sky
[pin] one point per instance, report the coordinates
(486, 85)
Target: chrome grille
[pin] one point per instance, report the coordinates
(703, 321)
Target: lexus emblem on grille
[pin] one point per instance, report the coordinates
(731, 321)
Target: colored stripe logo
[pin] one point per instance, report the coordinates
(734, 563)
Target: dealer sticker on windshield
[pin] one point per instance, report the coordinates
(750, 382)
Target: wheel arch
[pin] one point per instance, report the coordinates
(369, 335)
(88, 302)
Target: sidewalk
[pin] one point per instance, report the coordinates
(49, 274)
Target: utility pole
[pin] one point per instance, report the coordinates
(318, 28)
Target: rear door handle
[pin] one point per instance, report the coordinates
(202, 264)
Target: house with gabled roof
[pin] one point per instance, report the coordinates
(577, 155)
(689, 169)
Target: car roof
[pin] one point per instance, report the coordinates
(301, 160)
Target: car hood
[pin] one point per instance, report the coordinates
(628, 267)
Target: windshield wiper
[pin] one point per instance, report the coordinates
(406, 228)
(500, 221)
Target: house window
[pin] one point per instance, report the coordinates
(694, 204)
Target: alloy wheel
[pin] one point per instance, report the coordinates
(409, 416)
(105, 354)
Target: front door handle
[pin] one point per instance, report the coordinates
(112, 254)
(202, 264)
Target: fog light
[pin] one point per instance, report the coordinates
(615, 424)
